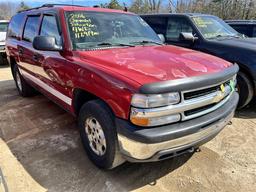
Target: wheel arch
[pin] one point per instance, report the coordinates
(81, 96)
(12, 63)
(246, 71)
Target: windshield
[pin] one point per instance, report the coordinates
(96, 29)
(3, 27)
(213, 27)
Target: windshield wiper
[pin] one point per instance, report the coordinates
(230, 36)
(114, 44)
(147, 42)
(219, 36)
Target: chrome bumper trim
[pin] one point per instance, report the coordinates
(143, 151)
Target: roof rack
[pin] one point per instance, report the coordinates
(49, 5)
(29, 9)
(52, 5)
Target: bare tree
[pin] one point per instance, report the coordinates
(226, 9)
(7, 10)
(146, 6)
(154, 5)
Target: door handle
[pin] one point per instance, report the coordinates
(20, 51)
(35, 57)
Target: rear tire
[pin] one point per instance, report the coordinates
(98, 134)
(24, 89)
(245, 89)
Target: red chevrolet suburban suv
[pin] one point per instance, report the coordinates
(136, 99)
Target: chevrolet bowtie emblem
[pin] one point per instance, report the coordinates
(219, 97)
(222, 88)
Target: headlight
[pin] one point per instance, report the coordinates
(155, 100)
(142, 106)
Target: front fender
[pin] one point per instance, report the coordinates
(114, 89)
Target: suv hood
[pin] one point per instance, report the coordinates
(243, 43)
(148, 64)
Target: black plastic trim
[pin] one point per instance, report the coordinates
(189, 83)
(176, 130)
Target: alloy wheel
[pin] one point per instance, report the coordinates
(95, 136)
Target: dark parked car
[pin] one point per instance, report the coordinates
(246, 27)
(212, 35)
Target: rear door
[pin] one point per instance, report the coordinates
(25, 48)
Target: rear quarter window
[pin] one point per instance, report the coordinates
(31, 27)
(15, 26)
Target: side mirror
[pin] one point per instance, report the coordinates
(45, 43)
(161, 37)
(188, 37)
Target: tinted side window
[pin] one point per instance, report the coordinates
(15, 26)
(254, 31)
(157, 23)
(175, 26)
(49, 28)
(243, 29)
(31, 27)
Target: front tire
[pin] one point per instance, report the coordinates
(24, 89)
(98, 134)
(245, 90)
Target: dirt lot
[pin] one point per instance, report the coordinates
(45, 140)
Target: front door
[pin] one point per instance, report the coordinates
(51, 65)
(175, 26)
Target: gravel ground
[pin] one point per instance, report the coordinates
(45, 140)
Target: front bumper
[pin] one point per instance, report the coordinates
(139, 144)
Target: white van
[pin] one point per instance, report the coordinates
(3, 30)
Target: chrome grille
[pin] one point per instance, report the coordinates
(203, 101)
(202, 92)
